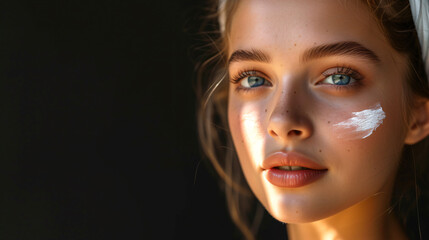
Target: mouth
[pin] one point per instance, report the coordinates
(292, 170)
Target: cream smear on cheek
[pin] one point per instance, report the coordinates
(362, 124)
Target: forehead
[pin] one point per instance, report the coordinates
(280, 25)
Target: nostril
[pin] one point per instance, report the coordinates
(294, 133)
(272, 133)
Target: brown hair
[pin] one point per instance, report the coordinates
(395, 21)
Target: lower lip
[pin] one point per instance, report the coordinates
(293, 179)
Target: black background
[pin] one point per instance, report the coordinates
(97, 124)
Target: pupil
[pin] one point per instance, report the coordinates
(341, 79)
(255, 81)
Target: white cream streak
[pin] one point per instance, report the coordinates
(362, 124)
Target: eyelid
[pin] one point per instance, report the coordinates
(343, 70)
(235, 79)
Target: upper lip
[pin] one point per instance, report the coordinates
(278, 159)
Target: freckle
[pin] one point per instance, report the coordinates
(299, 35)
(294, 44)
(329, 122)
(242, 141)
(294, 92)
(348, 150)
(320, 150)
(265, 110)
(296, 211)
(314, 43)
(287, 111)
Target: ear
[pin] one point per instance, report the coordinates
(419, 123)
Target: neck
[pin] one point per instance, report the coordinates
(370, 219)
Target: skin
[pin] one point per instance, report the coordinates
(296, 108)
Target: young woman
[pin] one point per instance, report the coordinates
(323, 103)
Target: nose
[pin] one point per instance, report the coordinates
(289, 120)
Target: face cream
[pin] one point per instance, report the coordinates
(362, 124)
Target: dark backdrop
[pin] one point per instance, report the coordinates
(97, 124)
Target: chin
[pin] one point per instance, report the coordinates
(294, 216)
(290, 210)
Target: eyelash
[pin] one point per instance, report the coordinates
(243, 74)
(346, 71)
(338, 70)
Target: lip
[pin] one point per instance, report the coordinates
(291, 179)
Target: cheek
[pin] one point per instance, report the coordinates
(248, 132)
(247, 126)
(366, 147)
(250, 125)
(361, 124)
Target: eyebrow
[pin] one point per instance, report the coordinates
(340, 48)
(249, 55)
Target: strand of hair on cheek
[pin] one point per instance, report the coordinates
(233, 201)
(204, 126)
(212, 89)
(205, 130)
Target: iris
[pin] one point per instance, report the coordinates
(340, 79)
(253, 81)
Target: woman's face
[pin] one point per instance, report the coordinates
(314, 84)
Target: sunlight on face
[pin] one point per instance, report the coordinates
(253, 133)
(300, 71)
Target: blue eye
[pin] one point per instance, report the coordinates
(253, 81)
(338, 79)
